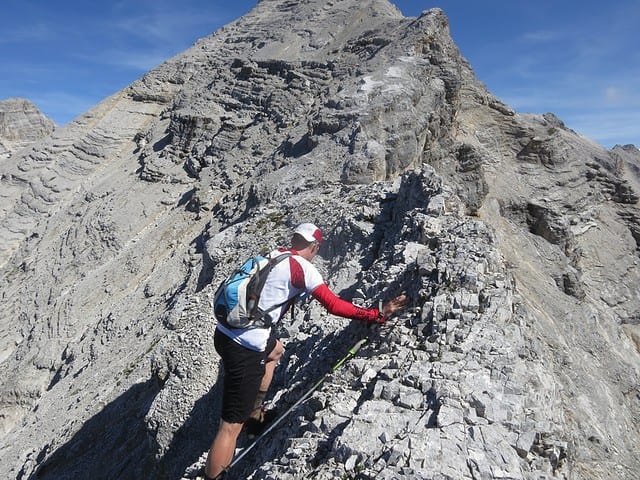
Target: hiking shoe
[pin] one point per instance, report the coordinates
(255, 427)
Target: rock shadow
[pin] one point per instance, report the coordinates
(113, 444)
(194, 436)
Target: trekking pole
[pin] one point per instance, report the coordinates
(350, 354)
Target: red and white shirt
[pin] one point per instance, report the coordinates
(288, 279)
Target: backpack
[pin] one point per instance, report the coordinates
(235, 303)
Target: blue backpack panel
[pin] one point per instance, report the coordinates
(236, 301)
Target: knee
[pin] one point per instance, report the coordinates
(228, 429)
(276, 353)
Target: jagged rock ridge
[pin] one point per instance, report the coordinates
(516, 239)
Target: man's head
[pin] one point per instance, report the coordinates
(306, 240)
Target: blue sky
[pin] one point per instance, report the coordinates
(579, 59)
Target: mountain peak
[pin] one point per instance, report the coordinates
(21, 124)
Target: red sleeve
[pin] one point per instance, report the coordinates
(337, 306)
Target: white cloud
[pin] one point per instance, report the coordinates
(609, 116)
(613, 95)
(138, 61)
(66, 106)
(607, 127)
(164, 22)
(142, 39)
(542, 36)
(17, 34)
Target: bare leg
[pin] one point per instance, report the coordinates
(269, 367)
(222, 449)
(224, 446)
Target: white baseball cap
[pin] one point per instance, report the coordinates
(310, 232)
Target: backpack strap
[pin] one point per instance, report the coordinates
(260, 315)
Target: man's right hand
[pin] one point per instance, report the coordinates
(394, 305)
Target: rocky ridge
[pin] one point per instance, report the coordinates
(516, 239)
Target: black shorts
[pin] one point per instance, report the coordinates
(243, 372)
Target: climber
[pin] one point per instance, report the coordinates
(249, 356)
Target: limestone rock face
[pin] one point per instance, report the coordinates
(516, 239)
(21, 124)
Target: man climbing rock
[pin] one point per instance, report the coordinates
(250, 355)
